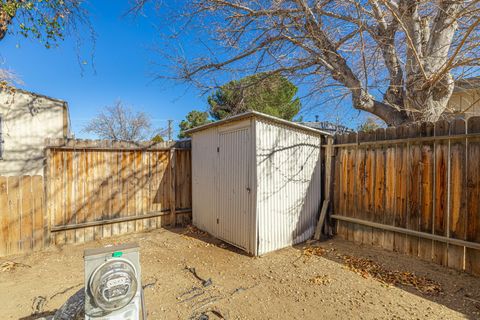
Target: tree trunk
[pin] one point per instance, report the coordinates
(430, 103)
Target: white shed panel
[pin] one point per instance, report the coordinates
(222, 183)
(288, 185)
(256, 181)
(203, 181)
(234, 208)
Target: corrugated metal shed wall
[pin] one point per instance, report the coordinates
(288, 185)
(261, 189)
(221, 180)
(234, 209)
(204, 158)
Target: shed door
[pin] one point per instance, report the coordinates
(233, 186)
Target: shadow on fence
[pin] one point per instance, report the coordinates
(413, 189)
(92, 190)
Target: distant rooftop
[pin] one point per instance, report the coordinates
(328, 127)
(466, 84)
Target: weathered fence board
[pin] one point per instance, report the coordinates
(401, 176)
(457, 219)
(413, 189)
(441, 209)
(379, 189)
(390, 178)
(21, 214)
(369, 192)
(472, 257)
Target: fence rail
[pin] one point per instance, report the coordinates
(423, 179)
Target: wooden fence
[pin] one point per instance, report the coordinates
(22, 218)
(412, 189)
(95, 189)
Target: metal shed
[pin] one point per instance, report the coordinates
(256, 181)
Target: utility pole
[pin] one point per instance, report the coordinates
(170, 122)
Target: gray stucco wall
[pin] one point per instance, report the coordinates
(27, 120)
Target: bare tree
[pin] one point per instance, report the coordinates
(119, 122)
(396, 59)
(7, 79)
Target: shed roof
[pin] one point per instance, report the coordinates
(259, 115)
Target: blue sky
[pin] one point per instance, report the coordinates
(124, 67)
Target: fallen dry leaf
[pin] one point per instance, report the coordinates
(321, 279)
(368, 268)
(315, 251)
(191, 229)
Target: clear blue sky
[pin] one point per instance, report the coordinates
(124, 65)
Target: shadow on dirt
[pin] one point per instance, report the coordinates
(43, 315)
(453, 289)
(195, 233)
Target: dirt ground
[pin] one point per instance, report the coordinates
(293, 283)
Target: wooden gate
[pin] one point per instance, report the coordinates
(99, 189)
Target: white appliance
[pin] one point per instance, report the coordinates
(113, 286)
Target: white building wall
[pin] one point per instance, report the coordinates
(204, 162)
(27, 120)
(465, 102)
(288, 185)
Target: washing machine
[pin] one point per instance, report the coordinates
(113, 285)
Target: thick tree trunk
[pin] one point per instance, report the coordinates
(430, 103)
(429, 84)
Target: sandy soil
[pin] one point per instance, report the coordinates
(286, 284)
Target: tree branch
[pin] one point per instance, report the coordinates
(5, 20)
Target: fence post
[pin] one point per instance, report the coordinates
(328, 180)
(173, 203)
(47, 189)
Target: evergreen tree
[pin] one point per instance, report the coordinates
(272, 94)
